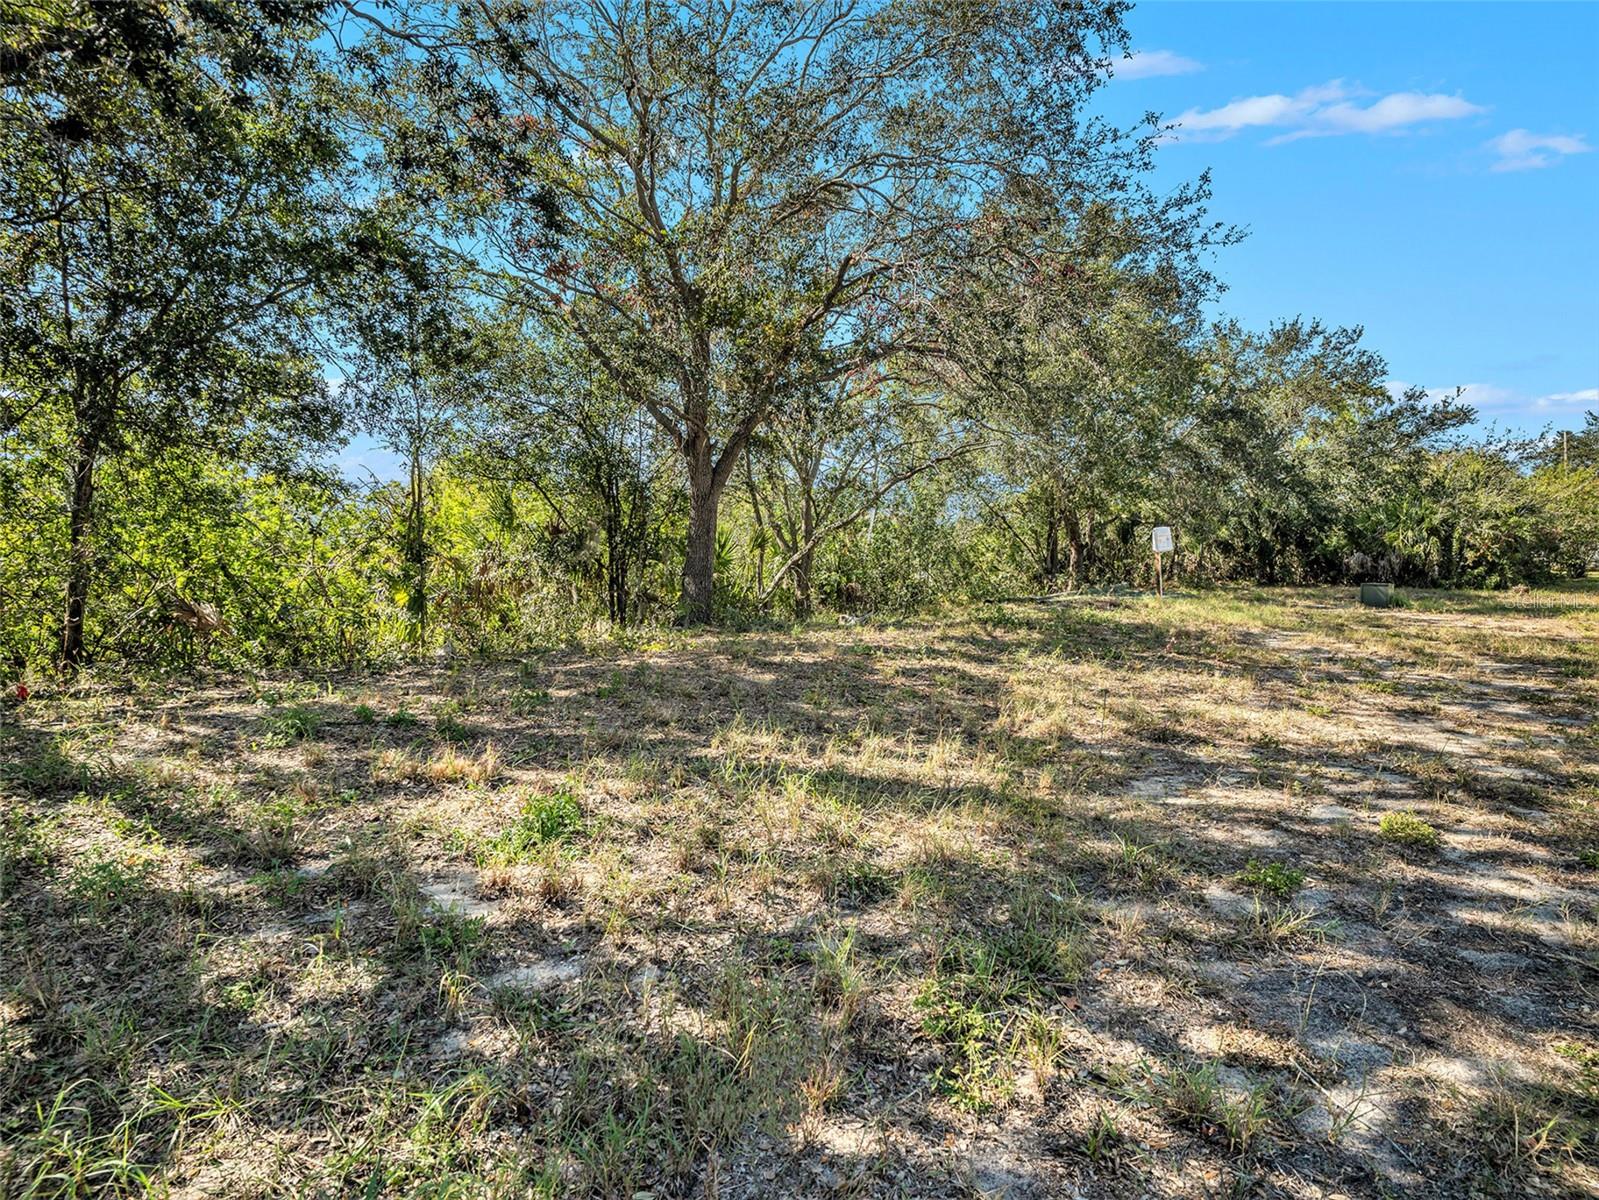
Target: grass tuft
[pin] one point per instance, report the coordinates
(1407, 829)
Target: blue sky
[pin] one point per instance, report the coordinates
(1429, 171)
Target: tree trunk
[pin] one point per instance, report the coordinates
(1074, 550)
(416, 550)
(616, 560)
(699, 563)
(80, 552)
(802, 575)
(760, 524)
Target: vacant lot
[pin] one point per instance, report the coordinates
(1251, 893)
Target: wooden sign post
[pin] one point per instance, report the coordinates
(1162, 542)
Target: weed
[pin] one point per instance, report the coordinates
(452, 937)
(294, 724)
(544, 819)
(1139, 865)
(1273, 877)
(557, 884)
(450, 728)
(1270, 925)
(1104, 1137)
(839, 980)
(529, 701)
(270, 839)
(1194, 1097)
(973, 1073)
(982, 999)
(452, 766)
(455, 986)
(1521, 1132)
(397, 766)
(851, 878)
(24, 847)
(1040, 1044)
(1405, 828)
(106, 884)
(282, 887)
(823, 1085)
(51, 767)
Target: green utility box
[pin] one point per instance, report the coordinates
(1378, 595)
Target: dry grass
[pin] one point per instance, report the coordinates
(1250, 893)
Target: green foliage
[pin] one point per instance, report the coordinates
(166, 410)
(448, 725)
(544, 819)
(452, 937)
(173, 203)
(24, 846)
(1275, 878)
(989, 983)
(1194, 1096)
(104, 883)
(295, 724)
(1407, 829)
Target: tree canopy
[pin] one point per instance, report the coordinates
(689, 311)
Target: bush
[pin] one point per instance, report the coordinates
(1407, 829)
(554, 817)
(1279, 880)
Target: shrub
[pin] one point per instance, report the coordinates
(553, 817)
(1273, 877)
(1407, 829)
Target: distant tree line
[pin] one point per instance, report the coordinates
(668, 312)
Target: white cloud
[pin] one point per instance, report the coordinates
(1490, 399)
(1523, 150)
(1322, 111)
(1561, 399)
(1479, 395)
(1390, 113)
(1148, 64)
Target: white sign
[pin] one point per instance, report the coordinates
(1163, 543)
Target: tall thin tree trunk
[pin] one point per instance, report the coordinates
(760, 522)
(803, 574)
(1054, 515)
(416, 549)
(699, 562)
(80, 551)
(615, 556)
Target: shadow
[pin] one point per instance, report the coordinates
(749, 803)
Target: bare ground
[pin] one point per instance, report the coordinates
(1253, 893)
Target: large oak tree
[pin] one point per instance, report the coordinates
(730, 204)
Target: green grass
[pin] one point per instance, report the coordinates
(1407, 829)
(1274, 878)
(296, 723)
(544, 819)
(106, 883)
